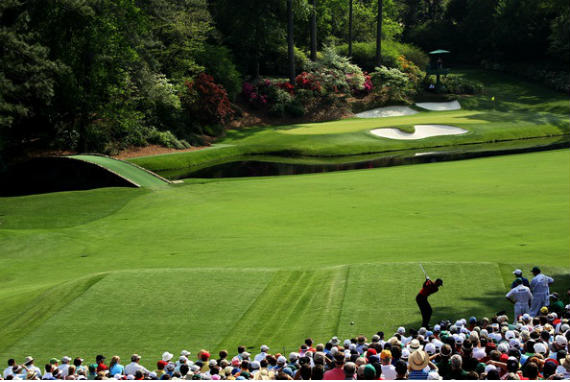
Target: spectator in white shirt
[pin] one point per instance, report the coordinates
(135, 366)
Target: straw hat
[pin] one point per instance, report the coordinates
(418, 360)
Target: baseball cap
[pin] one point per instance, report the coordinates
(54, 360)
(401, 330)
(264, 348)
(185, 353)
(517, 272)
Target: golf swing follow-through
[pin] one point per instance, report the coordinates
(429, 287)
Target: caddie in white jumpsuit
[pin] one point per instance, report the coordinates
(540, 287)
(521, 296)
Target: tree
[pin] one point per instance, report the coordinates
(349, 28)
(314, 30)
(379, 35)
(290, 42)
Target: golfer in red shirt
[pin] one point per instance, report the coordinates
(429, 287)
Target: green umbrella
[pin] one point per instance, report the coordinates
(439, 51)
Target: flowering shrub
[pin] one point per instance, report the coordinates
(278, 97)
(309, 81)
(414, 73)
(206, 100)
(393, 80)
(287, 86)
(253, 95)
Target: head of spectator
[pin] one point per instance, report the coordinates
(401, 369)
(418, 360)
(349, 370)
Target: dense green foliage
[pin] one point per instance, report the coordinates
(499, 30)
(101, 75)
(273, 259)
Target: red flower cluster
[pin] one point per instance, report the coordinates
(308, 81)
(287, 86)
(213, 101)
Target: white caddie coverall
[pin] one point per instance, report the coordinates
(522, 297)
(539, 286)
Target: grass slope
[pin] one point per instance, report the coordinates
(522, 110)
(224, 262)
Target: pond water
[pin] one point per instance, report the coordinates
(265, 165)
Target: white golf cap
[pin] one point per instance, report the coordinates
(488, 368)
(401, 330)
(166, 356)
(185, 353)
(264, 348)
(517, 272)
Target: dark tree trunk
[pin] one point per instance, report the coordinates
(379, 35)
(349, 28)
(314, 32)
(290, 44)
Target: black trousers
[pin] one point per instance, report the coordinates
(425, 309)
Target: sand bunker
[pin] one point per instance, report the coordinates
(439, 106)
(421, 132)
(388, 111)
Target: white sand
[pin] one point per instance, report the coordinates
(439, 106)
(388, 111)
(421, 132)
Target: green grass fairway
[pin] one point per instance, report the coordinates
(522, 110)
(124, 169)
(219, 263)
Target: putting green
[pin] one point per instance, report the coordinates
(129, 171)
(219, 263)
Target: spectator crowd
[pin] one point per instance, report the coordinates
(530, 348)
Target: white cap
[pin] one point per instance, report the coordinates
(509, 334)
(405, 353)
(514, 344)
(517, 272)
(183, 359)
(539, 347)
(434, 375)
(294, 356)
(430, 349)
(213, 363)
(65, 359)
(401, 330)
(166, 356)
(185, 353)
(503, 347)
(264, 348)
(488, 368)
(561, 341)
(281, 359)
(347, 342)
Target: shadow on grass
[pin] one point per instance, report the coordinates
(489, 304)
